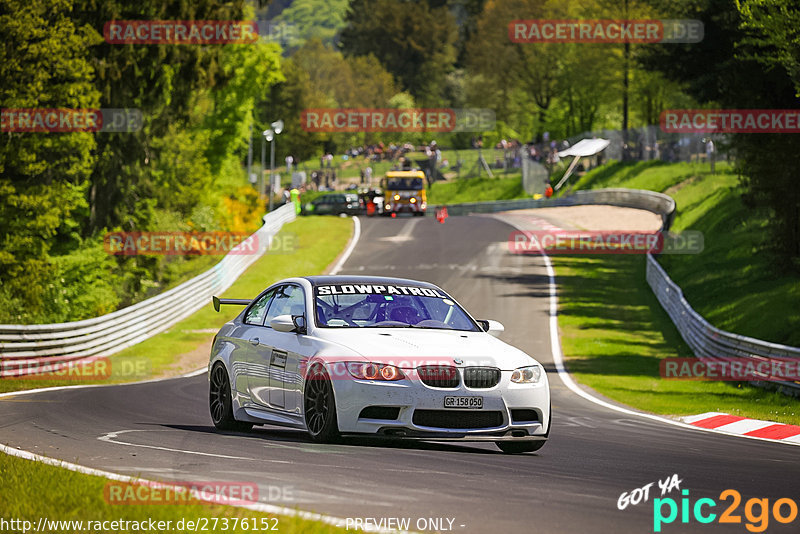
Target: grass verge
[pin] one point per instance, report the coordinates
(32, 490)
(614, 331)
(319, 240)
(504, 187)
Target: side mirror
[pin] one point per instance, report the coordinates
(299, 324)
(494, 328)
(283, 323)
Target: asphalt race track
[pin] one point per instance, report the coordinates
(163, 430)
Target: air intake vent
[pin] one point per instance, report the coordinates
(457, 419)
(481, 377)
(438, 376)
(524, 416)
(380, 412)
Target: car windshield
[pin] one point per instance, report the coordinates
(381, 306)
(404, 184)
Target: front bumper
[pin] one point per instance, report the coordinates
(409, 395)
(406, 208)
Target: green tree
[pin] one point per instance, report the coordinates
(315, 19)
(733, 67)
(43, 176)
(415, 40)
(774, 33)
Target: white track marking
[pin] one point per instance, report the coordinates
(350, 247)
(111, 437)
(214, 499)
(566, 378)
(404, 234)
(190, 374)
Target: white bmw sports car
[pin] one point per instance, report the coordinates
(374, 356)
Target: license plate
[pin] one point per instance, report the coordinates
(474, 403)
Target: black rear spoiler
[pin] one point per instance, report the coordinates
(218, 301)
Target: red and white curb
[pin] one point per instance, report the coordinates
(754, 428)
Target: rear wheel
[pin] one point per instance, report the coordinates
(320, 406)
(518, 447)
(220, 403)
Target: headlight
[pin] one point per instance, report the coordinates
(397, 197)
(413, 200)
(388, 206)
(527, 375)
(374, 371)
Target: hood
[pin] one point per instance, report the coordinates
(409, 347)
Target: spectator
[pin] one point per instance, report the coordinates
(711, 153)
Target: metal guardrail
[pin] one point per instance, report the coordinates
(658, 203)
(52, 344)
(705, 340)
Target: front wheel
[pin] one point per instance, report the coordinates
(320, 406)
(220, 403)
(518, 447)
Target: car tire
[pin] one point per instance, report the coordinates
(320, 406)
(220, 402)
(518, 447)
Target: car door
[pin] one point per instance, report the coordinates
(323, 205)
(247, 361)
(340, 205)
(282, 353)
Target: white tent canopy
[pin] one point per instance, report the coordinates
(585, 147)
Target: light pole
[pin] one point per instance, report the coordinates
(261, 174)
(269, 135)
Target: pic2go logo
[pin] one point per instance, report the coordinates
(756, 511)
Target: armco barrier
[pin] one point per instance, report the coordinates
(107, 334)
(705, 340)
(658, 203)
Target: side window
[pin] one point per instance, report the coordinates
(255, 314)
(289, 300)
